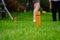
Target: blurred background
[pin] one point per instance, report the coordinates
(21, 5)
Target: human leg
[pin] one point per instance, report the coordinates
(54, 10)
(59, 10)
(36, 8)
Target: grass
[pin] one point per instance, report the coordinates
(25, 29)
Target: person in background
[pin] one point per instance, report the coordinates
(54, 7)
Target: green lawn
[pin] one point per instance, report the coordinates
(25, 28)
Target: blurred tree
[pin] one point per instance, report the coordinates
(30, 6)
(13, 5)
(45, 4)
